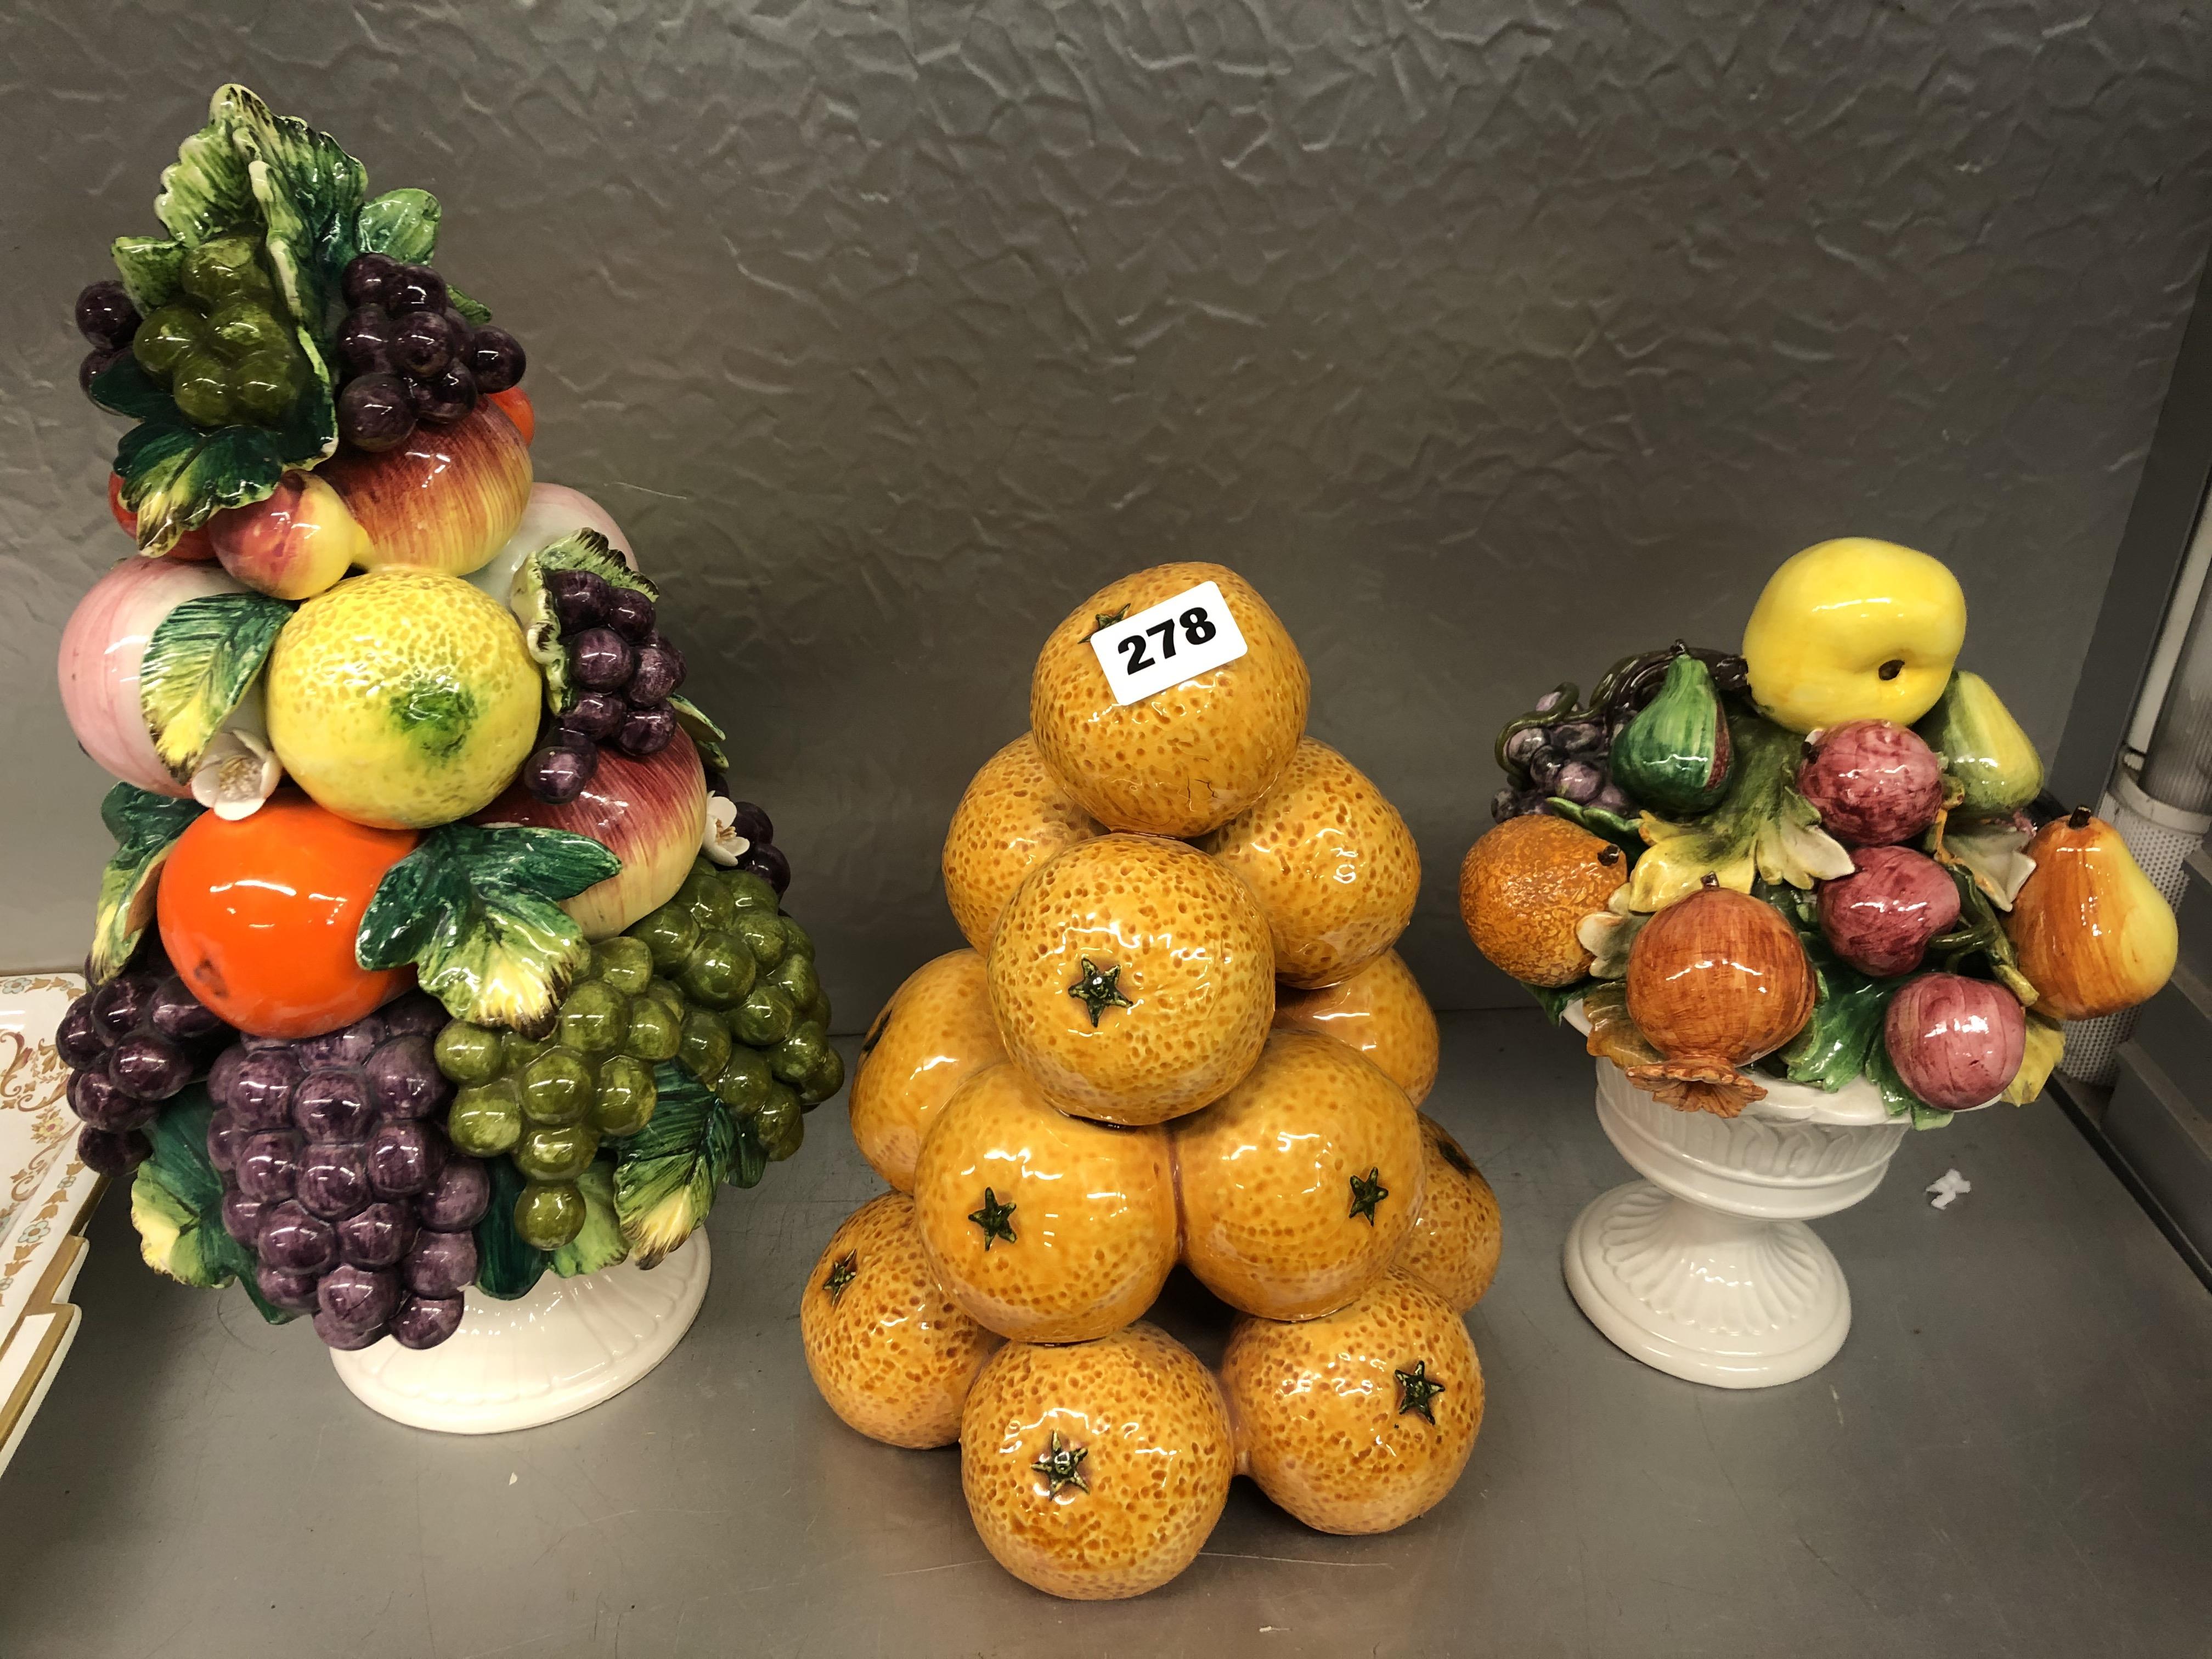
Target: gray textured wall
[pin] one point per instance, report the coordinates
(1493, 341)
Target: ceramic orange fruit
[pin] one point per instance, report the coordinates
(1097, 1470)
(1133, 978)
(1046, 1228)
(1331, 861)
(934, 1034)
(1014, 815)
(1359, 1422)
(1185, 759)
(890, 1352)
(1380, 1012)
(1455, 1241)
(1525, 887)
(1299, 1185)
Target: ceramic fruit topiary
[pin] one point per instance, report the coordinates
(1165, 1051)
(433, 954)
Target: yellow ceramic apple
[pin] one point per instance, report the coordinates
(1854, 629)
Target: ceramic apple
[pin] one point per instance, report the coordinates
(293, 545)
(445, 498)
(1955, 1042)
(1873, 783)
(1881, 917)
(1853, 629)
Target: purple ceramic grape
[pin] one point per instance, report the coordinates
(600, 659)
(557, 773)
(579, 596)
(404, 1158)
(403, 1079)
(658, 673)
(261, 1091)
(223, 1135)
(446, 396)
(178, 1014)
(296, 1242)
(268, 1165)
(374, 412)
(242, 1217)
(1579, 782)
(1614, 798)
(1523, 743)
(336, 1335)
(377, 1238)
(1505, 804)
(111, 1153)
(647, 731)
(94, 1098)
(79, 1039)
(769, 862)
(424, 1322)
(358, 1299)
(294, 1292)
(120, 1004)
(752, 824)
(147, 1065)
(348, 1045)
(104, 315)
(458, 1198)
(496, 358)
(367, 278)
(416, 1014)
(1579, 737)
(95, 363)
(422, 343)
(630, 614)
(333, 1105)
(596, 715)
(440, 1263)
(415, 288)
(364, 341)
(333, 1178)
(1544, 769)
(224, 1071)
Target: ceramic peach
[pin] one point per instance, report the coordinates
(1360, 1421)
(934, 1034)
(1301, 1184)
(1133, 978)
(1454, 1244)
(1096, 1471)
(1015, 814)
(1185, 759)
(446, 498)
(889, 1352)
(1045, 1228)
(1380, 1012)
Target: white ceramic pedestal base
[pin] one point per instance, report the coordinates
(560, 1349)
(1706, 1270)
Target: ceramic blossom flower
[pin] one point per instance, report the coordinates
(1608, 933)
(238, 770)
(721, 842)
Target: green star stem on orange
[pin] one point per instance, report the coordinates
(1416, 1393)
(996, 1219)
(842, 1271)
(1062, 1465)
(1106, 619)
(1099, 990)
(1367, 1192)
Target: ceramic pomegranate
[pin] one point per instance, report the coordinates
(1015, 814)
(934, 1034)
(1955, 1042)
(2094, 935)
(1453, 1243)
(1380, 1012)
(1715, 981)
(1874, 783)
(1881, 917)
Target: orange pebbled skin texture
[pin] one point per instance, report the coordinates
(889, 1352)
(1187, 758)
(1525, 887)
(1154, 1434)
(1456, 1240)
(1380, 1012)
(934, 1034)
(1015, 814)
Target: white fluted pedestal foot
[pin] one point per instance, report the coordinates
(1705, 1269)
(563, 1348)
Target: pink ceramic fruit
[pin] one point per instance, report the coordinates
(554, 513)
(1881, 917)
(1456, 1240)
(1299, 1185)
(1874, 783)
(1133, 977)
(1013, 816)
(888, 1349)
(446, 498)
(1359, 1422)
(1043, 1227)
(294, 543)
(1331, 861)
(1955, 1042)
(1095, 1470)
(1379, 1010)
(649, 813)
(934, 1034)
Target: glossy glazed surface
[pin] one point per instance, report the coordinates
(1335, 865)
(933, 1035)
(1873, 782)
(103, 646)
(1881, 917)
(2094, 935)
(1015, 814)
(1300, 1185)
(1359, 1422)
(1955, 1042)
(1185, 759)
(1181, 975)
(1454, 1241)
(1718, 975)
(1096, 1471)
(446, 499)
(1380, 1012)
(1854, 628)
(1525, 886)
(1044, 1227)
(892, 1353)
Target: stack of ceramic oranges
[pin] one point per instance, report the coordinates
(1181, 1034)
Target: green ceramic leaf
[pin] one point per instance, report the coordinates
(1977, 944)
(2039, 1057)
(308, 191)
(149, 267)
(1762, 831)
(402, 223)
(1555, 1000)
(600, 1244)
(588, 549)
(666, 1175)
(1625, 833)
(1848, 1010)
(477, 313)
(125, 388)
(145, 826)
(176, 1203)
(200, 661)
(506, 1265)
(707, 737)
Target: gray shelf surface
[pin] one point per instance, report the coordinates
(2012, 1455)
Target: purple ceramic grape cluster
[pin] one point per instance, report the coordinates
(1570, 758)
(337, 1174)
(129, 1045)
(624, 670)
(406, 355)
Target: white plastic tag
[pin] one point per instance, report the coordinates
(1177, 639)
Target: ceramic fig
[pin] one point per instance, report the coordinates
(2092, 934)
(1674, 756)
(1982, 746)
(1381, 1011)
(1955, 1042)
(1881, 917)
(934, 1034)
(1873, 782)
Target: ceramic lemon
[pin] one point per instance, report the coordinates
(1133, 978)
(1300, 1185)
(1854, 629)
(889, 1352)
(1454, 1244)
(1359, 1422)
(934, 1034)
(1331, 861)
(1044, 1227)
(1380, 1012)
(1097, 1470)
(1185, 759)
(1014, 815)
